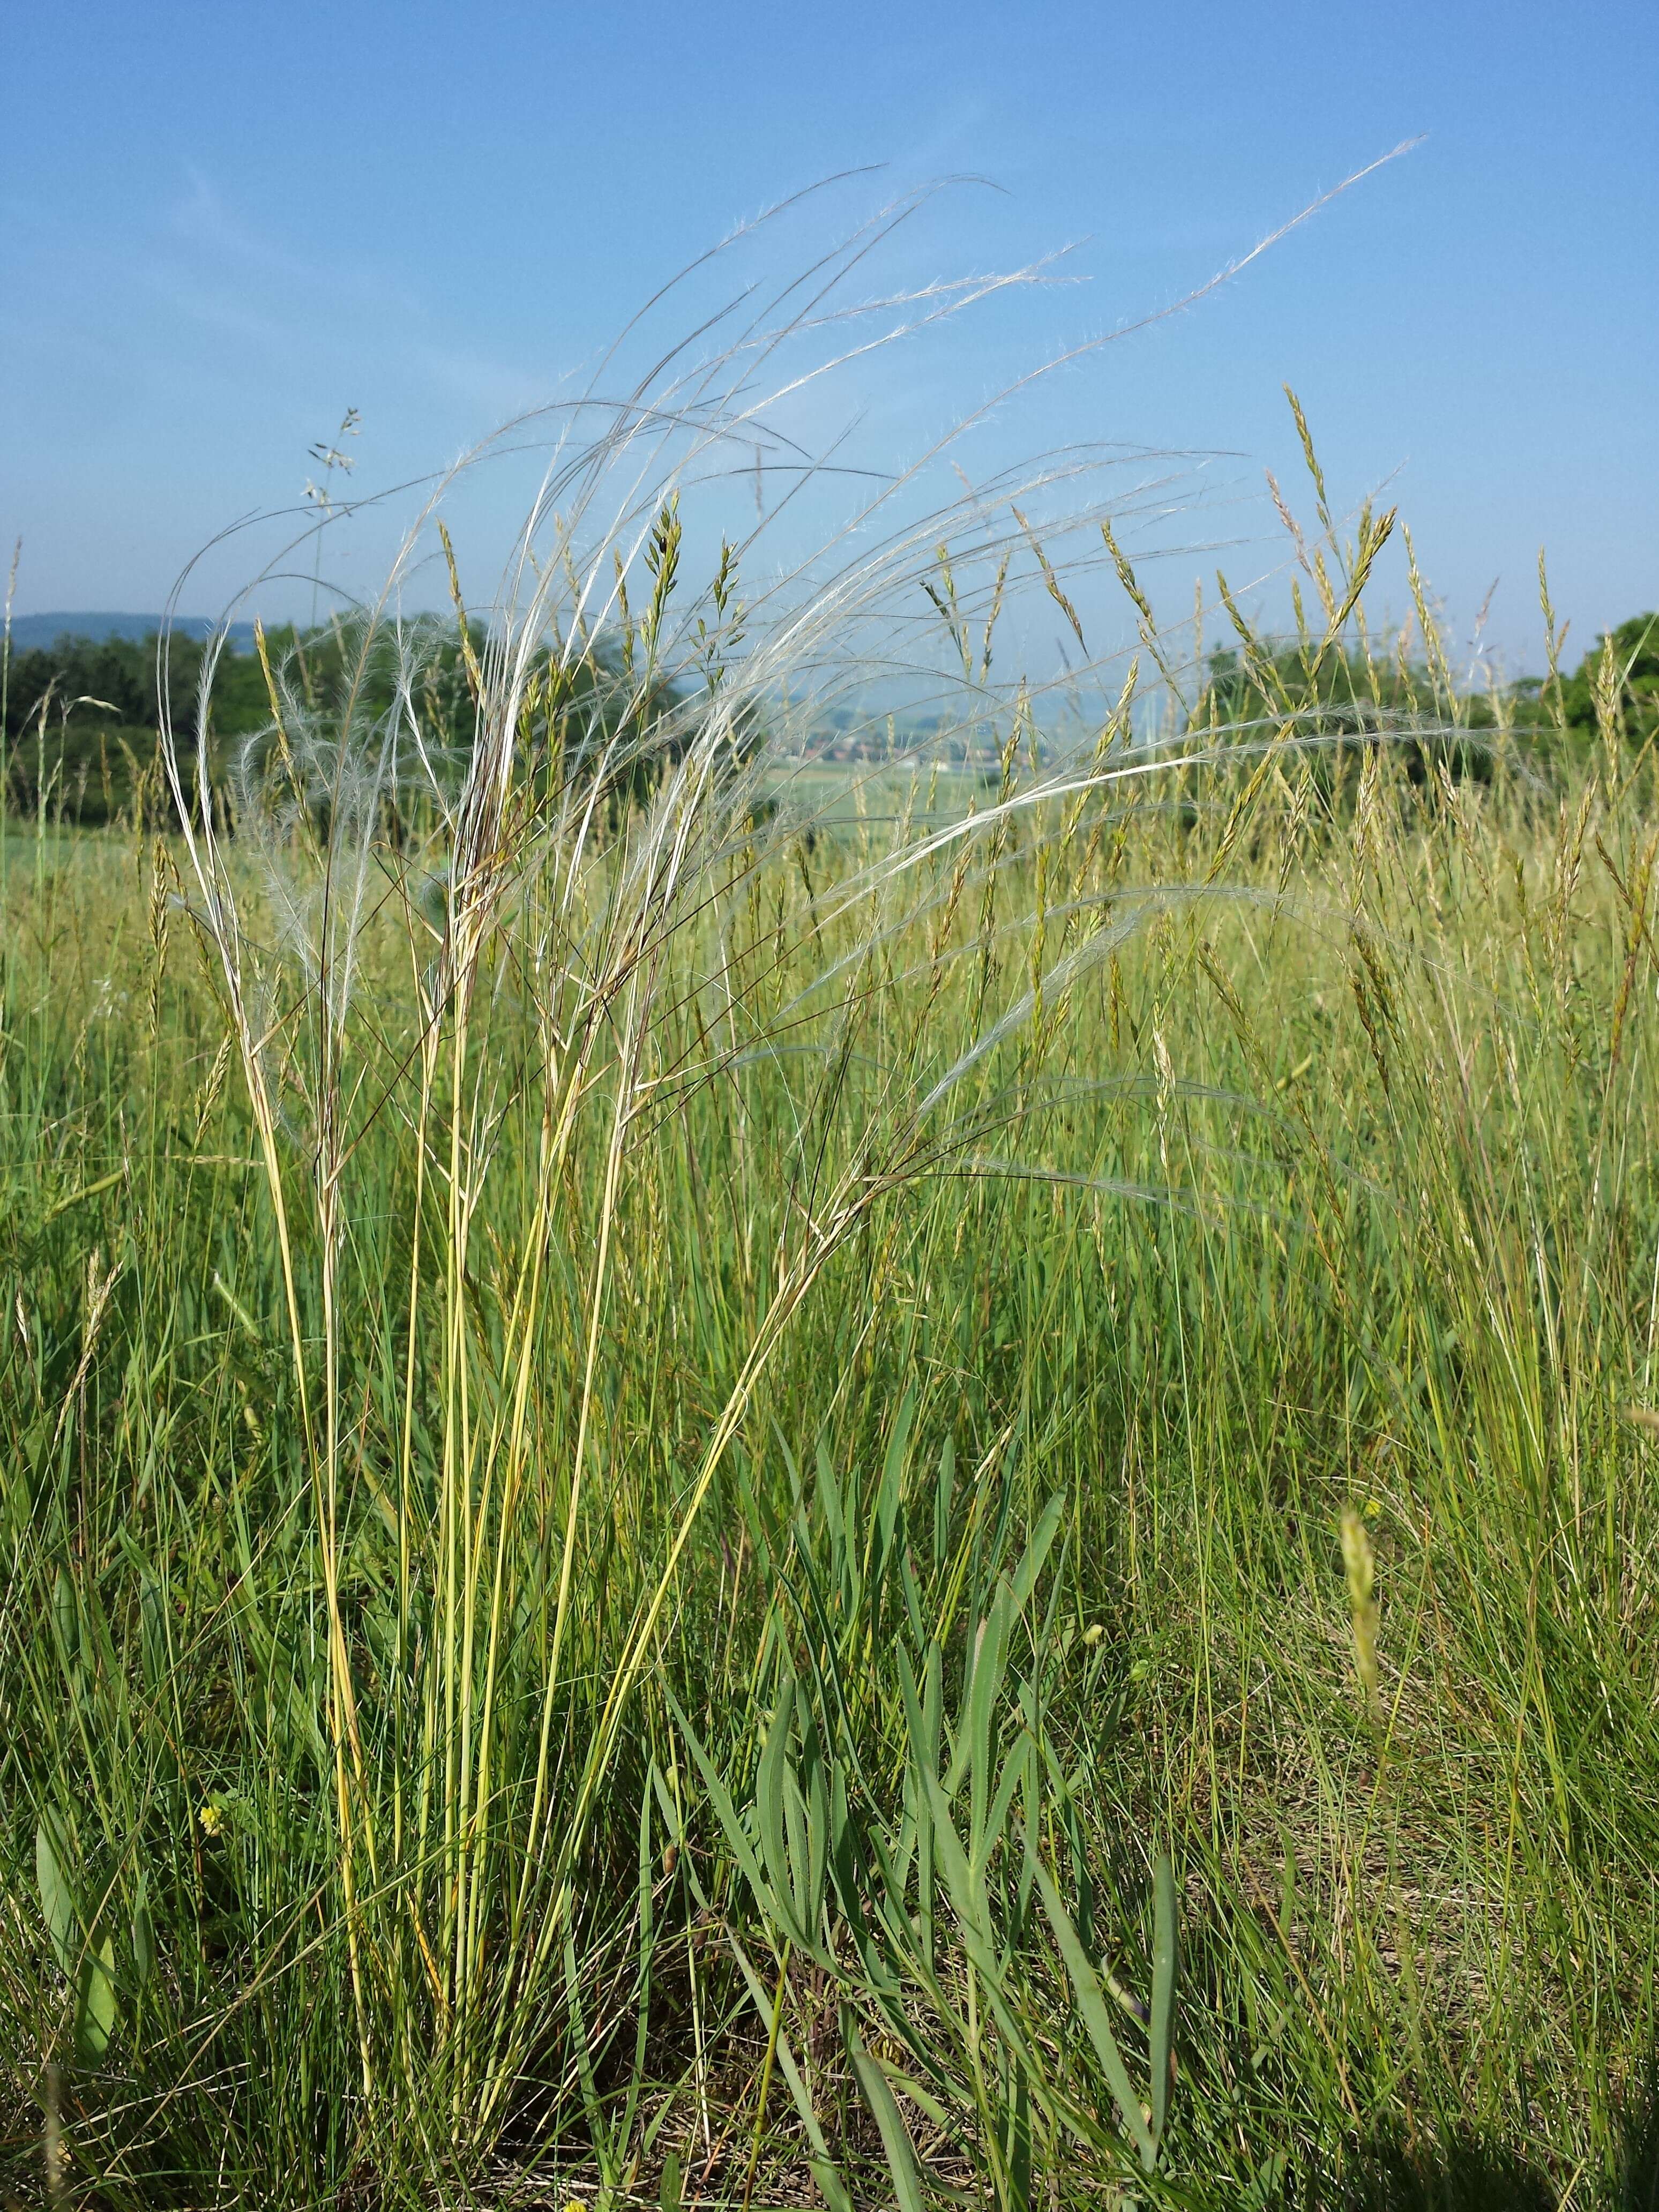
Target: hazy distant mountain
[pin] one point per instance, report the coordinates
(29, 631)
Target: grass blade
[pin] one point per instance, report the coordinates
(1091, 2007)
(1166, 1937)
(902, 2166)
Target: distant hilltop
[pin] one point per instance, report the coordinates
(29, 632)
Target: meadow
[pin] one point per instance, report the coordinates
(733, 1484)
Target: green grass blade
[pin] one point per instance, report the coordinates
(902, 2166)
(1092, 2008)
(56, 1901)
(96, 2007)
(727, 1813)
(1166, 1937)
(1036, 1551)
(769, 1787)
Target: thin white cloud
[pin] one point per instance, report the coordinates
(203, 219)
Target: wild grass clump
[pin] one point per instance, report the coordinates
(728, 1482)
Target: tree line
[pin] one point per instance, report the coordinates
(81, 715)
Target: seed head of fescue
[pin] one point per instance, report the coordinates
(1359, 1565)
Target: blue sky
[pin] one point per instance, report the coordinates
(224, 224)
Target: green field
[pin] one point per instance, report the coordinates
(957, 1510)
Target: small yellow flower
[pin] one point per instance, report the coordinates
(211, 1818)
(1092, 1635)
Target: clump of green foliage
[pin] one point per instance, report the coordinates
(81, 722)
(1618, 678)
